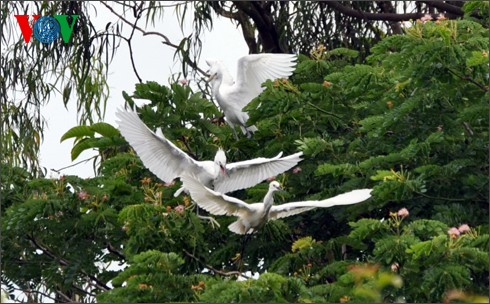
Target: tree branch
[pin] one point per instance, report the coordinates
(267, 31)
(375, 16)
(116, 252)
(33, 291)
(471, 80)
(131, 48)
(165, 41)
(99, 284)
(220, 272)
(189, 150)
(442, 6)
(64, 296)
(248, 30)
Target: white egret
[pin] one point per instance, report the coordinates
(232, 96)
(168, 162)
(252, 217)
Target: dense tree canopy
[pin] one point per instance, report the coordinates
(409, 120)
(32, 73)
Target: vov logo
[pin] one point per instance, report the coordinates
(46, 29)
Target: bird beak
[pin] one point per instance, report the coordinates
(280, 189)
(211, 77)
(223, 170)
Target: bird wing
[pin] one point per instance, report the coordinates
(213, 201)
(254, 69)
(245, 174)
(348, 198)
(158, 154)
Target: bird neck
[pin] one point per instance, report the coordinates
(217, 169)
(216, 85)
(268, 201)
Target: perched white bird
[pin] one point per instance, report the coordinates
(168, 162)
(253, 216)
(232, 96)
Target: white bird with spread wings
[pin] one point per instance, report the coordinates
(232, 96)
(168, 162)
(251, 217)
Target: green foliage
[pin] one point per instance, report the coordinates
(411, 123)
(85, 139)
(153, 277)
(269, 287)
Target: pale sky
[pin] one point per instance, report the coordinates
(154, 62)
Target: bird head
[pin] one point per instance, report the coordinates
(220, 161)
(214, 69)
(275, 186)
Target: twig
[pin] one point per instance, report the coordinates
(323, 111)
(83, 290)
(116, 252)
(131, 49)
(165, 41)
(220, 272)
(33, 291)
(468, 128)
(186, 143)
(479, 85)
(64, 296)
(73, 165)
(441, 198)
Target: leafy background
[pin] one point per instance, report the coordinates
(410, 121)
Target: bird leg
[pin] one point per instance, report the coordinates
(249, 134)
(242, 250)
(207, 218)
(234, 131)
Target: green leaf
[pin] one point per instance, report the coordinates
(89, 143)
(78, 132)
(105, 129)
(305, 242)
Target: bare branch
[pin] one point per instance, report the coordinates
(442, 6)
(374, 16)
(220, 272)
(131, 56)
(165, 41)
(116, 252)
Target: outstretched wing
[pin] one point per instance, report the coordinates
(245, 174)
(212, 201)
(158, 154)
(352, 197)
(254, 69)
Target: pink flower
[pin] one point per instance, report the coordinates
(183, 82)
(403, 212)
(179, 209)
(426, 17)
(297, 170)
(441, 17)
(453, 232)
(395, 266)
(170, 184)
(83, 195)
(271, 179)
(464, 228)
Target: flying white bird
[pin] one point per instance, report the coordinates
(253, 216)
(168, 162)
(232, 96)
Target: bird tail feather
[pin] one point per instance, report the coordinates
(237, 227)
(248, 130)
